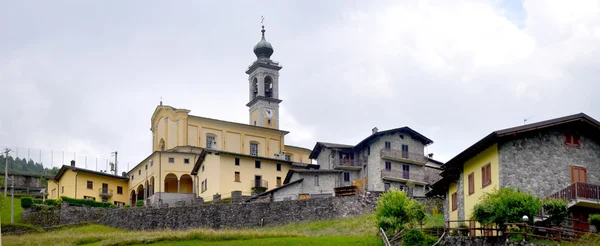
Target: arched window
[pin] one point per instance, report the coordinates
(211, 141)
(268, 86)
(254, 148)
(254, 88)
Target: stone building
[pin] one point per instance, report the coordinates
(23, 182)
(386, 159)
(554, 158)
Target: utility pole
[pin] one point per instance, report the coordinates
(6, 150)
(12, 200)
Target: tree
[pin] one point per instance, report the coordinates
(418, 212)
(393, 211)
(506, 205)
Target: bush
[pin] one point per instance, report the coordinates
(127, 206)
(91, 203)
(139, 203)
(19, 229)
(557, 209)
(506, 205)
(26, 202)
(51, 202)
(416, 237)
(393, 211)
(594, 220)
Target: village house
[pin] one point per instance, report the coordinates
(555, 158)
(384, 160)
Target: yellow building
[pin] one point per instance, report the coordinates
(195, 156)
(80, 183)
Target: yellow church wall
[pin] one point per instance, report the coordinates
(273, 148)
(211, 173)
(298, 154)
(161, 132)
(210, 130)
(474, 165)
(233, 142)
(192, 136)
(255, 139)
(171, 134)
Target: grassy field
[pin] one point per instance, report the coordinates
(354, 231)
(5, 213)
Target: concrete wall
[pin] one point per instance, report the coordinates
(215, 215)
(541, 163)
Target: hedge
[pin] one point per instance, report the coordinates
(19, 229)
(90, 203)
(27, 202)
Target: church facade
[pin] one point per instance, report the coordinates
(198, 157)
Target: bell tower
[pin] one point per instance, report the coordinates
(263, 78)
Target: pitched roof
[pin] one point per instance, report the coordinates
(64, 168)
(513, 131)
(370, 138)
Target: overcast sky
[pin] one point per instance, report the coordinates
(85, 76)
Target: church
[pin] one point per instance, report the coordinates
(197, 157)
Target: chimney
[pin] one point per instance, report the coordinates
(430, 155)
(73, 163)
(375, 130)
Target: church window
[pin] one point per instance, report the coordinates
(269, 121)
(288, 157)
(211, 142)
(254, 88)
(254, 149)
(268, 86)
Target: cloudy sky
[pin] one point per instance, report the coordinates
(84, 77)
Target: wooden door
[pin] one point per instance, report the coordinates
(578, 174)
(580, 222)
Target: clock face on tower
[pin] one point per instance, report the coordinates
(269, 113)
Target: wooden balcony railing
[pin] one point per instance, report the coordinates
(579, 190)
(403, 155)
(349, 162)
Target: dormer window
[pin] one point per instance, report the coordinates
(572, 140)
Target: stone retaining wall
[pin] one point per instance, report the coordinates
(211, 215)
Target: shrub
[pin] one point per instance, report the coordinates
(127, 206)
(557, 209)
(26, 202)
(393, 211)
(91, 203)
(417, 212)
(506, 205)
(416, 237)
(139, 203)
(37, 201)
(594, 219)
(51, 202)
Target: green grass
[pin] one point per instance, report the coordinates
(5, 213)
(356, 226)
(354, 231)
(325, 240)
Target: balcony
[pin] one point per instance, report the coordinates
(259, 183)
(401, 176)
(105, 193)
(580, 194)
(349, 164)
(403, 156)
